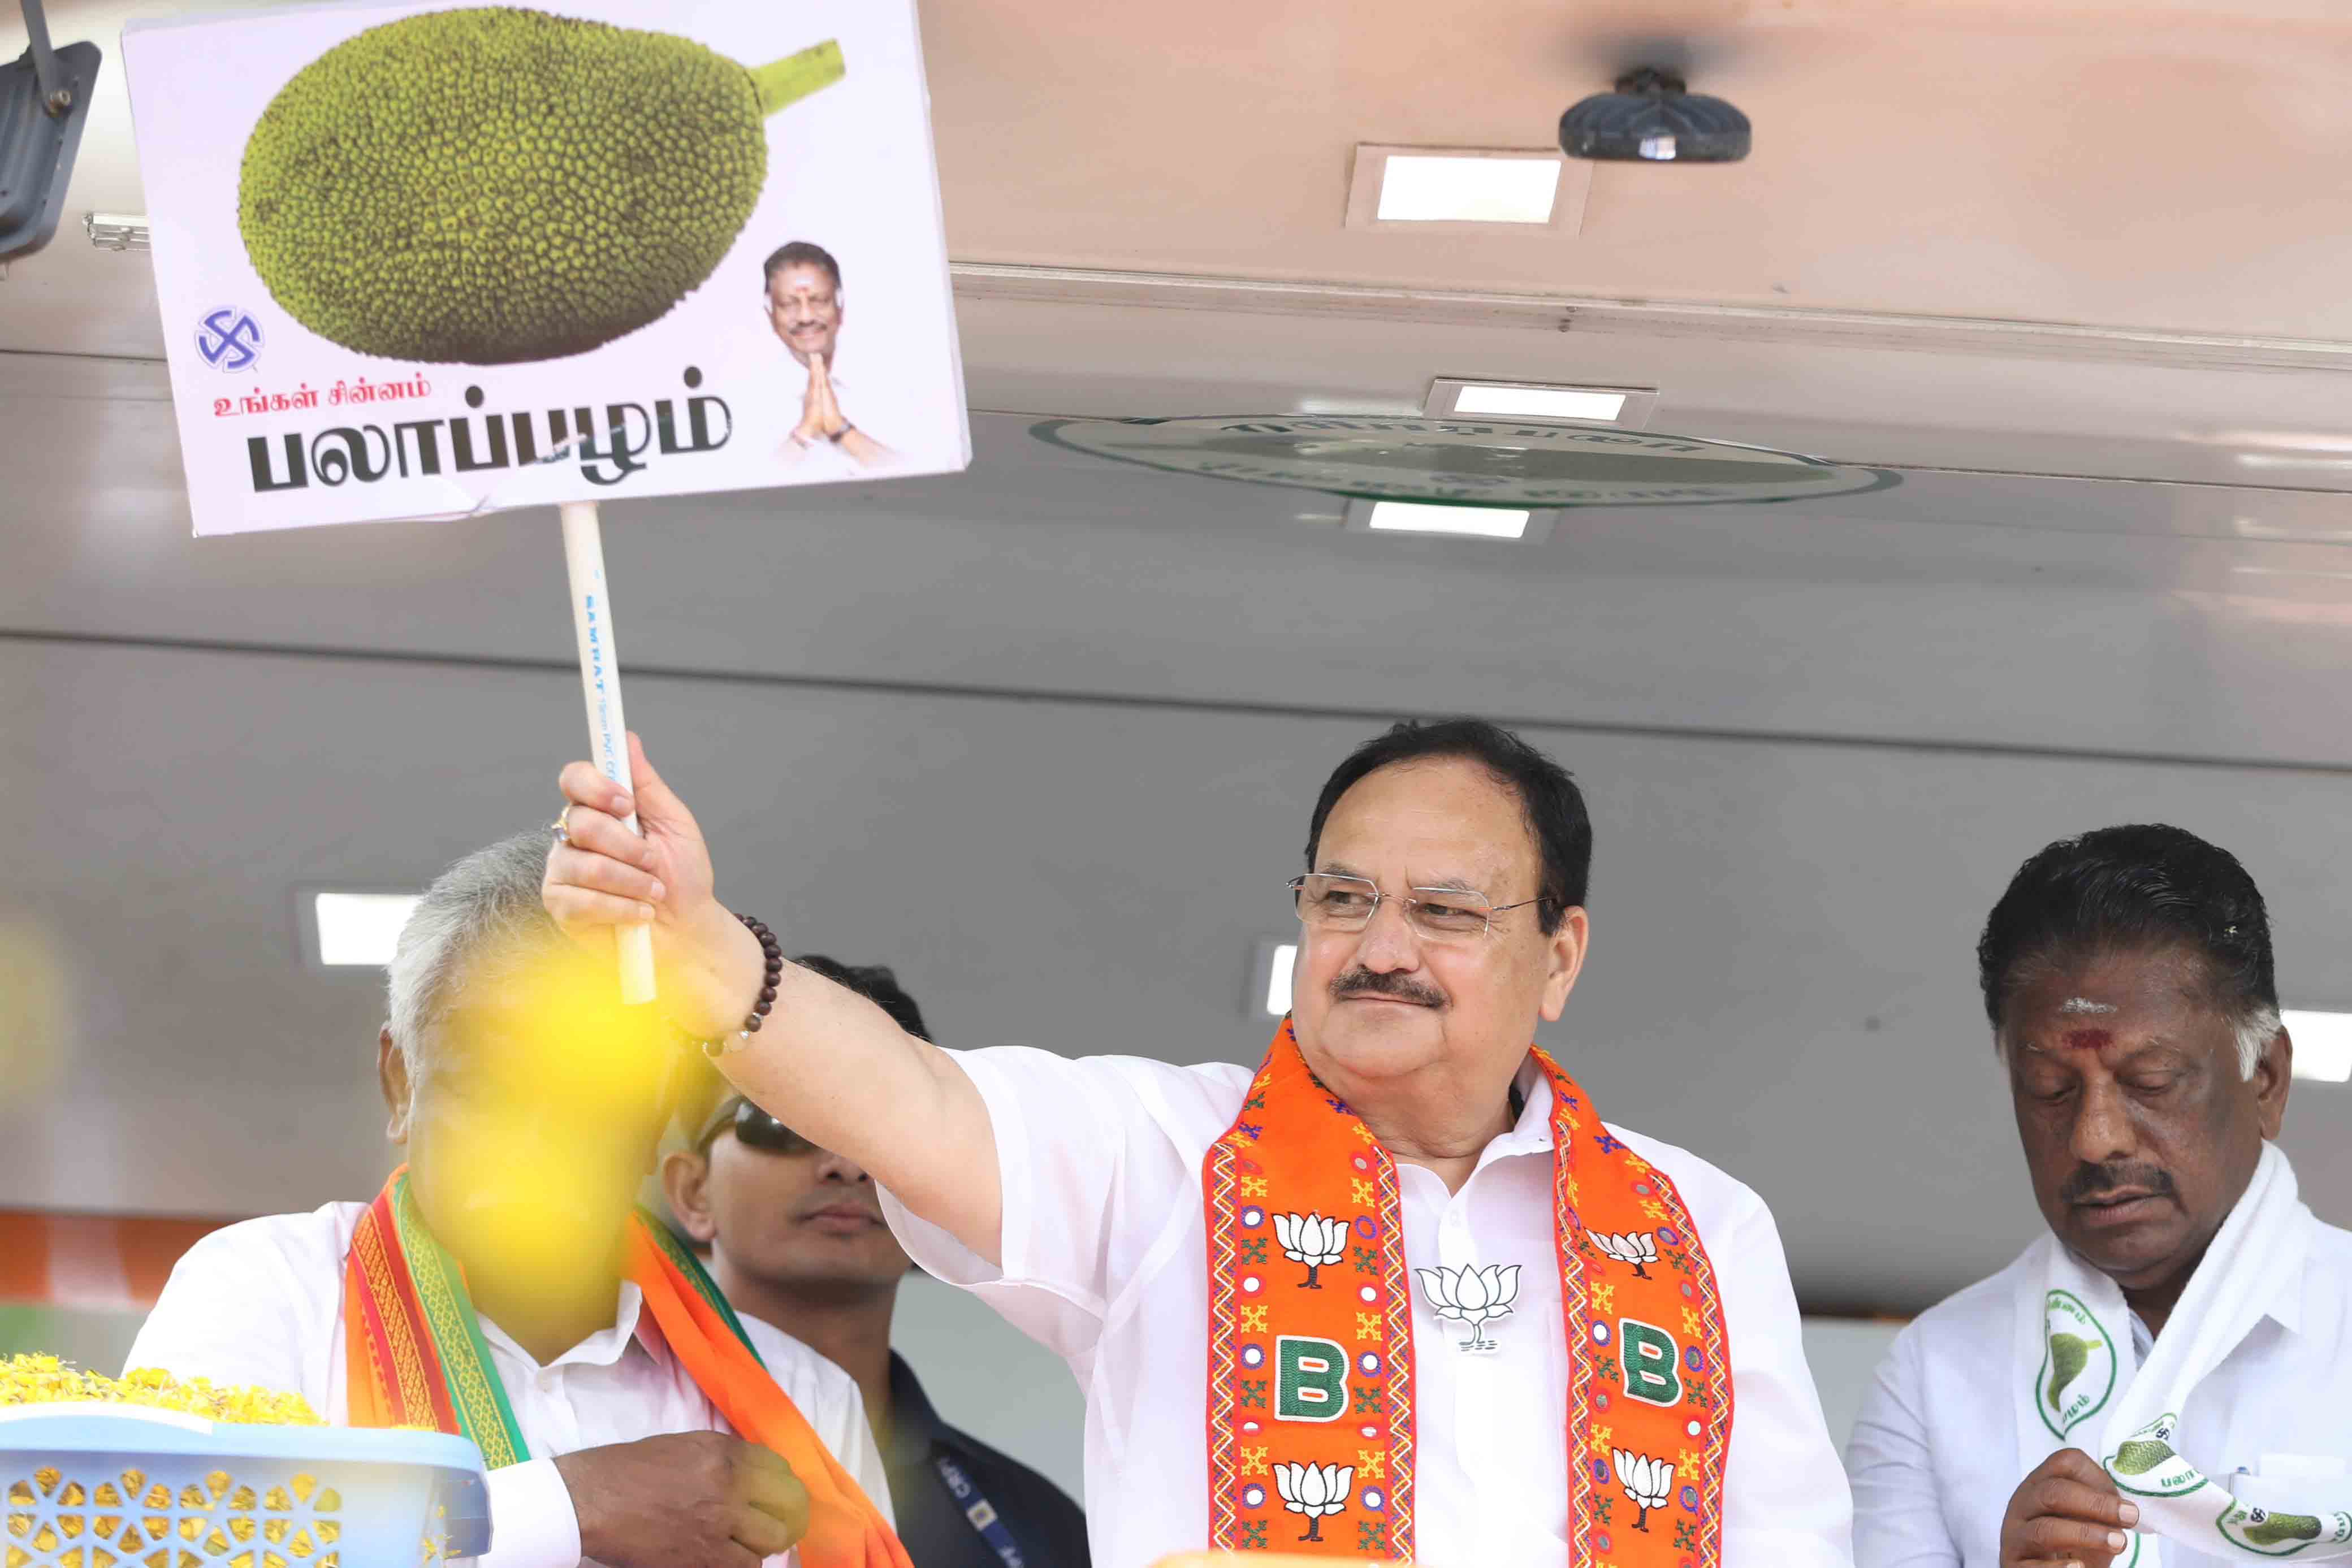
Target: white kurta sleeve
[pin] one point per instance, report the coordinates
(1786, 1502)
(255, 1305)
(260, 1305)
(533, 1522)
(1091, 1172)
(1898, 1515)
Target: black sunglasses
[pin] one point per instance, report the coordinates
(752, 1126)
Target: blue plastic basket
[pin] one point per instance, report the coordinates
(114, 1486)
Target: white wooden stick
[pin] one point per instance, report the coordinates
(600, 682)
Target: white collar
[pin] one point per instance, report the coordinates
(2289, 1300)
(1531, 1134)
(602, 1348)
(2286, 1289)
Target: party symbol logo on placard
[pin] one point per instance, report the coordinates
(229, 340)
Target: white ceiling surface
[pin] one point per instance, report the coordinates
(2171, 621)
(2162, 165)
(1781, 978)
(2091, 237)
(1046, 734)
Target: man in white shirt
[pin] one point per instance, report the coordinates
(1498, 1331)
(2187, 1319)
(806, 308)
(531, 1104)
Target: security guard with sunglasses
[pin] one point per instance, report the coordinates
(797, 1241)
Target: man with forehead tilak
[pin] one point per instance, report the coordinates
(1397, 1291)
(2166, 1376)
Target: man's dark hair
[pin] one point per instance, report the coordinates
(2133, 889)
(800, 253)
(1553, 805)
(876, 984)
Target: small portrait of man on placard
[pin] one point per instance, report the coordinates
(803, 303)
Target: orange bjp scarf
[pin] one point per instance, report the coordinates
(415, 1357)
(1311, 1348)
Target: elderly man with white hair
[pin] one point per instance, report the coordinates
(504, 1285)
(2165, 1374)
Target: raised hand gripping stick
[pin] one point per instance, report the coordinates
(600, 684)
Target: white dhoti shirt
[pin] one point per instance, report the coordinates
(261, 1304)
(1935, 1454)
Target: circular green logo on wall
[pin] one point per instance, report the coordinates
(1465, 462)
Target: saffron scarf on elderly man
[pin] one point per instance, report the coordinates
(1311, 1409)
(414, 1357)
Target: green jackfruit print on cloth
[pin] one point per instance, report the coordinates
(2069, 1354)
(2078, 1383)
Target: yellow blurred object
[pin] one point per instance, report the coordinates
(45, 1380)
(32, 1012)
(536, 1119)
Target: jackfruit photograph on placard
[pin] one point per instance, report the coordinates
(422, 260)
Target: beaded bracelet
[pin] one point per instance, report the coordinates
(774, 954)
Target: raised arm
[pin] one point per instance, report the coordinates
(825, 1062)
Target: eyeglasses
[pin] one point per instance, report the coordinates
(752, 1126)
(1330, 903)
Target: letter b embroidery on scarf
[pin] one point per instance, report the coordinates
(1310, 1379)
(1650, 1354)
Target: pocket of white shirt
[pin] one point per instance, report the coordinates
(2286, 1481)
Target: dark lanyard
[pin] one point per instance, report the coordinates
(978, 1509)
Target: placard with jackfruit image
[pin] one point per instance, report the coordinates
(431, 260)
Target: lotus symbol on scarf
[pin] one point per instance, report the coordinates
(1314, 1491)
(1635, 1247)
(1311, 1240)
(1645, 1480)
(1473, 1296)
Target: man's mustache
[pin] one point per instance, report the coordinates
(2090, 1182)
(1402, 988)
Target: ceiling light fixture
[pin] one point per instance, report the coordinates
(1272, 964)
(1278, 978)
(1541, 402)
(2323, 1044)
(1653, 118)
(1469, 190)
(356, 930)
(1626, 408)
(1427, 518)
(2294, 460)
(1426, 189)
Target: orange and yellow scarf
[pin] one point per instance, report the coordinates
(414, 1357)
(1311, 1346)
